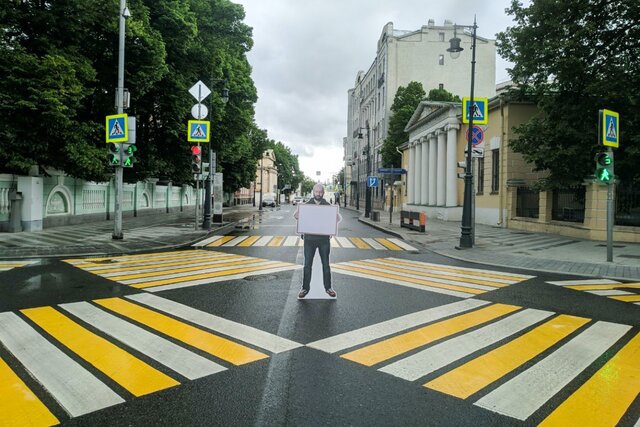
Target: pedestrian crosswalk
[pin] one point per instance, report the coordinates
(626, 292)
(373, 243)
(87, 355)
(455, 281)
(507, 359)
(162, 271)
(9, 265)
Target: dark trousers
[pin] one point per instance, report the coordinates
(323, 246)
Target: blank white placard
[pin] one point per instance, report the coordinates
(317, 219)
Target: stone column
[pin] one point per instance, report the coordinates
(410, 180)
(442, 168)
(418, 175)
(433, 155)
(452, 135)
(424, 169)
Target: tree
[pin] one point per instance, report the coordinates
(289, 174)
(571, 59)
(338, 179)
(307, 185)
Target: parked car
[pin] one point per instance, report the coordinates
(268, 200)
(297, 200)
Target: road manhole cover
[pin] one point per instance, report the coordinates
(262, 277)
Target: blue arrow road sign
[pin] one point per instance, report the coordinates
(372, 181)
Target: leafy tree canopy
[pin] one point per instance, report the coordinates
(573, 58)
(289, 174)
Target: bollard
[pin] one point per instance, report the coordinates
(423, 220)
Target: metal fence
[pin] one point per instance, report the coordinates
(627, 205)
(568, 204)
(527, 203)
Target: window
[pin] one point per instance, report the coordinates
(495, 170)
(441, 36)
(440, 59)
(441, 86)
(480, 175)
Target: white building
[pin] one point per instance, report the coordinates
(402, 57)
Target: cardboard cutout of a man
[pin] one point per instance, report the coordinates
(322, 244)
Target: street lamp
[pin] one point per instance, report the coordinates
(466, 239)
(206, 222)
(367, 151)
(261, 178)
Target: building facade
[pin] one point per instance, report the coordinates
(402, 57)
(266, 176)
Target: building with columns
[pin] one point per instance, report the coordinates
(402, 57)
(266, 176)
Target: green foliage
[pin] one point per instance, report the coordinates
(573, 58)
(442, 95)
(287, 164)
(307, 185)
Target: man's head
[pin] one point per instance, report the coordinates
(318, 192)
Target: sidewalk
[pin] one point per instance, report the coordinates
(503, 247)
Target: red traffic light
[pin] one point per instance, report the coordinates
(196, 150)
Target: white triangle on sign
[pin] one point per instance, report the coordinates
(116, 130)
(611, 130)
(198, 132)
(475, 109)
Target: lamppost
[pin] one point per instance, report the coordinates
(261, 178)
(466, 239)
(367, 151)
(358, 185)
(206, 222)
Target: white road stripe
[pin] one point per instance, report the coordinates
(441, 355)
(256, 263)
(181, 360)
(206, 262)
(291, 241)
(75, 388)
(584, 282)
(248, 334)
(205, 242)
(610, 292)
(424, 276)
(235, 241)
(524, 394)
(390, 327)
(262, 241)
(374, 244)
(345, 242)
(460, 269)
(407, 284)
(402, 244)
(186, 284)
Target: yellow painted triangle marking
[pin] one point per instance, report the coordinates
(19, 406)
(206, 260)
(222, 241)
(276, 241)
(626, 298)
(360, 244)
(478, 373)
(210, 275)
(249, 241)
(410, 279)
(606, 396)
(208, 342)
(130, 372)
(240, 261)
(454, 270)
(392, 347)
(435, 275)
(603, 286)
(388, 244)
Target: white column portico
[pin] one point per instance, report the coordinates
(442, 168)
(451, 199)
(424, 169)
(433, 153)
(418, 175)
(412, 167)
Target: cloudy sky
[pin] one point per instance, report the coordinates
(307, 53)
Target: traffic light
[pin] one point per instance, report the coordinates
(604, 167)
(113, 157)
(462, 165)
(196, 159)
(128, 155)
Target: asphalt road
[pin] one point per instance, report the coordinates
(413, 338)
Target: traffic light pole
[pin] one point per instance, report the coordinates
(198, 176)
(610, 214)
(117, 224)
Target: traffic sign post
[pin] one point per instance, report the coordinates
(608, 136)
(372, 181)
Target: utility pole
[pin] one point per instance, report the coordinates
(117, 224)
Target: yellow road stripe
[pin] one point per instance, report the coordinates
(130, 372)
(438, 276)
(206, 341)
(360, 244)
(475, 375)
(210, 275)
(627, 298)
(410, 279)
(384, 350)
(188, 251)
(388, 244)
(12, 265)
(19, 406)
(454, 270)
(603, 286)
(168, 264)
(185, 269)
(276, 241)
(164, 256)
(222, 241)
(249, 241)
(606, 396)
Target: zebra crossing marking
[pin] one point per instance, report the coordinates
(455, 281)
(172, 270)
(9, 265)
(484, 359)
(141, 322)
(611, 289)
(339, 242)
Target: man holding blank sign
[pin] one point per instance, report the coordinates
(317, 222)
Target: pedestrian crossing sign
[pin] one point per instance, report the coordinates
(610, 128)
(117, 129)
(479, 108)
(198, 131)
